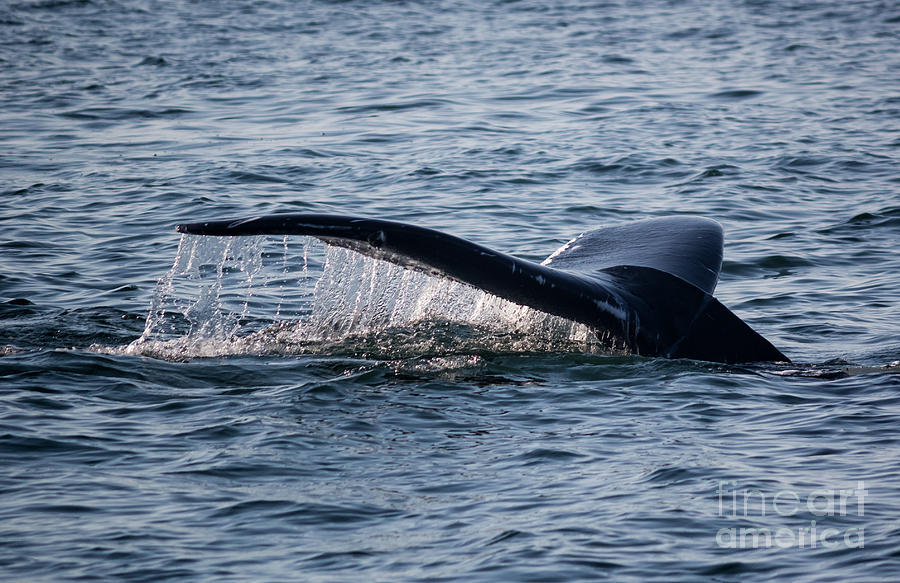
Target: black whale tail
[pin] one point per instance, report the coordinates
(648, 284)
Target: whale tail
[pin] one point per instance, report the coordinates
(647, 284)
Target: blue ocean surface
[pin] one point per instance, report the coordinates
(273, 409)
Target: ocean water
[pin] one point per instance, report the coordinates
(271, 409)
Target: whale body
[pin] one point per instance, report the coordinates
(646, 284)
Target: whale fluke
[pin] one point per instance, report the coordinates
(647, 284)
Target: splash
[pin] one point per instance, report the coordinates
(259, 295)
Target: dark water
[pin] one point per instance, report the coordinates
(432, 454)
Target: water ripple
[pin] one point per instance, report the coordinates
(463, 456)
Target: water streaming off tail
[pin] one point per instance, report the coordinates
(261, 295)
